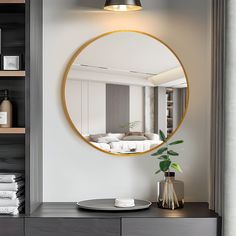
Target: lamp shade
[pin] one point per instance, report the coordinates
(123, 5)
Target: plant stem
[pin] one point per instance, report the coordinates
(169, 196)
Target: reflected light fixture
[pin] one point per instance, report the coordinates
(123, 5)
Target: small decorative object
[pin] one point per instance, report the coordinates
(170, 192)
(124, 203)
(11, 62)
(133, 149)
(5, 110)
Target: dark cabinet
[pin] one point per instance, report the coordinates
(128, 226)
(11, 227)
(71, 227)
(167, 227)
(65, 219)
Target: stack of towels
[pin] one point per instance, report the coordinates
(11, 193)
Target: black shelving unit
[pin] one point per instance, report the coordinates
(21, 146)
(12, 141)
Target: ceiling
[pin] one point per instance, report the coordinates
(125, 57)
(129, 51)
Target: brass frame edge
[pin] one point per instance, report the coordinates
(63, 87)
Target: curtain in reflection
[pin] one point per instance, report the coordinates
(217, 119)
(149, 109)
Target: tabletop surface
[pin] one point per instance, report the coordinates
(71, 210)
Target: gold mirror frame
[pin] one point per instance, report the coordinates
(63, 88)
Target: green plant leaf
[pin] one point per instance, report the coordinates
(176, 167)
(162, 136)
(176, 142)
(160, 151)
(157, 172)
(165, 165)
(172, 153)
(163, 157)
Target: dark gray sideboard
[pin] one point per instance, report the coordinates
(65, 219)
(11, 226)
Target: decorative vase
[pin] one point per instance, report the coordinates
(170, 192)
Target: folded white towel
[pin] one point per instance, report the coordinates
(4, 202)
(11, 186)
(10, 178)
(8, 194)
(12, 202)
(9, 210)
(11, 194)
(9, 202)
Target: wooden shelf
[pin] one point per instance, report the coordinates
(12, 73)
(12, 1)
(12, 130)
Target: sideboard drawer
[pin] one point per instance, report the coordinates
(168, 227)
(71, 227)
(11, 226)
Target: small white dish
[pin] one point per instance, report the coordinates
(124, 202)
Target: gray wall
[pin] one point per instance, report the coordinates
(72, 169)
(117, 108)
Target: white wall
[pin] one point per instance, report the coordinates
(86, 105)
(74, 96)
(136, 107)
(72, 169)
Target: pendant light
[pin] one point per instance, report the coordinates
(123, 5)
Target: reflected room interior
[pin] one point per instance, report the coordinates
(122, 89)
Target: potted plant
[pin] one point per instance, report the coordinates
(170, 191)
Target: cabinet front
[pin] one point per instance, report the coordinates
(11, 227)
(168, 227)
(71, 227)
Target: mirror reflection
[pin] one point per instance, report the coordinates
(121, 89)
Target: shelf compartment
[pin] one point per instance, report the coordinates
(12, 73)
(16, 88)
(12, 23)
(11, 8)
(12, 130)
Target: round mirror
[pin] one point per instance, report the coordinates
(121, 88)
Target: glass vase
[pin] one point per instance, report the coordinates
(170, 192)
